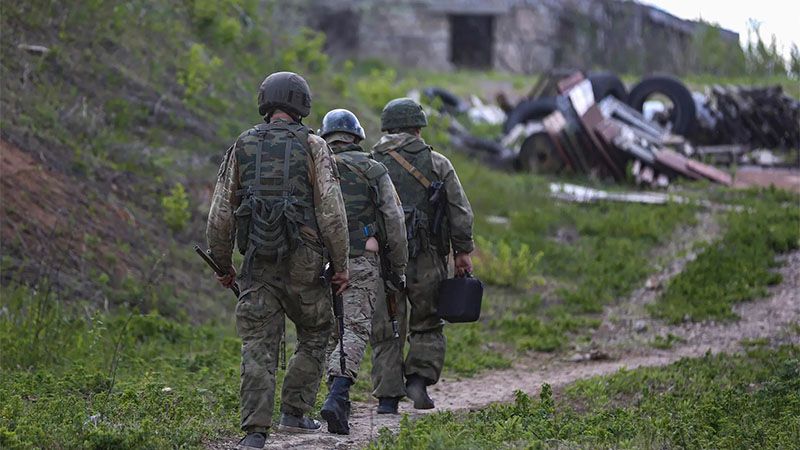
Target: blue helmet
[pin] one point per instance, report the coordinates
(341, 121)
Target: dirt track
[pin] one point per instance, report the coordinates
(621, 341)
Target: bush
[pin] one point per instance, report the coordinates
(501, 265)
(378, 88)
(176, 208)
(305, 53)
(197, 71)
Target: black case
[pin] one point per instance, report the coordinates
(460, 299)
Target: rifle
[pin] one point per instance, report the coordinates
(338, 312)
(391, 297)
(207, 257)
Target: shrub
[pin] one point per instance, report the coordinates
(176, 208)
(378, 88)
(197, 71)
(501, 265)
(305, 53)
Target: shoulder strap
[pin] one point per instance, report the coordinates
(286, 153)
(410, 168)
(375, 171)
(352, 167)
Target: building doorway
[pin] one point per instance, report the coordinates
(471, 40)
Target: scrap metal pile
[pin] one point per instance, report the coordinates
(593, 125)
(753, 117)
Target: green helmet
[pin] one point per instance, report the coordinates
(284, 90)
(402, 113)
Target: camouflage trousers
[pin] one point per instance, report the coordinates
(425, 338)
(292, 289)
(359, 299)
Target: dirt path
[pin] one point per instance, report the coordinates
(622, 341)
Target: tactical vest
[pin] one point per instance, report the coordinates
(277, 196)
(415, 197)
(358, 178)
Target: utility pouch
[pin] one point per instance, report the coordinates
(242, 214)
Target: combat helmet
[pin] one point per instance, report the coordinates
(286, 91)
(402, 113)
(341, 121)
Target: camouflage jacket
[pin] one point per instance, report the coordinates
(459, 211)
(328, 205)
(387, 204)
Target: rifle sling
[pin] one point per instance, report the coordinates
(410, 168)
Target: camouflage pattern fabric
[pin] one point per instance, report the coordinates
(328, 204)
(359, 303)
(425, 338)
(291, 288)
(459, 211)
(424, 273)
(366, 284)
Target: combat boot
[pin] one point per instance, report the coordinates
(336, 409)
(294, 424)
(388, 405)
(252, 441)
(417, 390)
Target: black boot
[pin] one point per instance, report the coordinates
(388, 405)
(336, 409)
(295, 424)
(252, 441)
(417, 390)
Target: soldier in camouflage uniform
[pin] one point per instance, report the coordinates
(376, 223)
(415, 170)
(278, 195)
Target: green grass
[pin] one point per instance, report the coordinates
(737, 267)
(747, 401)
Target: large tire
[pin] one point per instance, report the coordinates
(606, 84)
(539, 155)
(530, 110)
(450, 102)
(683, 114)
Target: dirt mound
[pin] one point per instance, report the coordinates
(51, 223)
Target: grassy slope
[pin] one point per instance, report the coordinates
(748, 401)
(163, 113)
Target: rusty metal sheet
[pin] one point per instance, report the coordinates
(676, 162)
(788, 179)
(569, 82)
(591, 119)
(710, 172)
(554, 124)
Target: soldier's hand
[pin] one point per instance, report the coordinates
(228, 280)
(463, 264)
(340, 280)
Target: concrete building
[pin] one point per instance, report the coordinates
(520, 36)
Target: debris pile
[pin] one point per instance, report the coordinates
(593, 125)
(753, 117)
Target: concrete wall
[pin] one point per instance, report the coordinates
(529, 35)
